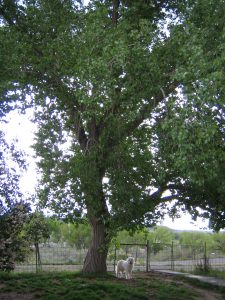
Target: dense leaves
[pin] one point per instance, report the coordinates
(129, 100)
(78, 235)
(37, 228)
(14, 246)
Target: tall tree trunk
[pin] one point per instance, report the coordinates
(95, 261)
(97, 210)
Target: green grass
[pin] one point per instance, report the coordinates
(203, 285)
(105, 287)
(212, 273)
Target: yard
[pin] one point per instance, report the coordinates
(77, 286)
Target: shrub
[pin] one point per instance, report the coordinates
(13, 245)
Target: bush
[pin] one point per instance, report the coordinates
(13, 245)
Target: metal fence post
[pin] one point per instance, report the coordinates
(147, 257)
(36, 258)
(172, 257)
(205, 258)
(114, 264)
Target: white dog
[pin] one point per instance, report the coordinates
(125, 267)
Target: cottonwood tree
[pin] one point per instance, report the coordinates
(108, 81)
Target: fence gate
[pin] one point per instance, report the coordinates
(140, 252)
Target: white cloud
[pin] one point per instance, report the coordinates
(185, 223)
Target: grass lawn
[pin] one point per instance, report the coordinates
(105, 287)
(212, 273)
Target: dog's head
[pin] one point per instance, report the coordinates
(130, 260)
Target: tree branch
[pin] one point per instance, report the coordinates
(8, 10)
(148, 108)
(115, 14)
(73, 107)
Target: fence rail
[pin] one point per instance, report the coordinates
(148, 256)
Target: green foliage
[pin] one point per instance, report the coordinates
(138, 237)
(161, 234)
(78, 235)
(158, 237)
(36, 228)
(130, 91)
(13, 208)
(219, 240)
(158, 234)
(55, 230)
(197, 239)
(14, 244)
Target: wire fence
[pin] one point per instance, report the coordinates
(148, 256)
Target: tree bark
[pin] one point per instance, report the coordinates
(115, 14)
(97, 210)
(95, 261)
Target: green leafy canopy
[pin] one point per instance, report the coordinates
(119, 97)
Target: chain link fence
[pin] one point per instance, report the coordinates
(148, 256)
(53, 257)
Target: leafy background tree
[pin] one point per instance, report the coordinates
(197, 240)
(78, 235)
(14, 245)
(219, 240)
(37, 230)
(106, 82)
(157, 234)
(37, 227)
(14, 209)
